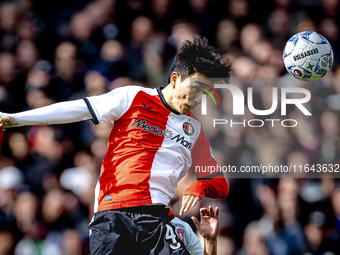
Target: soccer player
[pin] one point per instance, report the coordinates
(208, 228)
(152, 145)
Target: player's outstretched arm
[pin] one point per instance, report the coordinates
(208, 228)
(59, 113)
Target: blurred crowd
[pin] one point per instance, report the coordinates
(52, 51)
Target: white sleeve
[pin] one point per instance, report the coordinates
(59, 113)
(192, 243)
(112, 105)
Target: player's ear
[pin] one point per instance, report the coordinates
(173, 79)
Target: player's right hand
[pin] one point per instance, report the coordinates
(188, 201)
(5, 119)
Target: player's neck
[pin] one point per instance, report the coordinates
(168, 96)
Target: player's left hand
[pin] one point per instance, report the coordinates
(208, 227)
(5, 120)
(188, 201)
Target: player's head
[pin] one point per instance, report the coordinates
(195, 60)
(198, 56)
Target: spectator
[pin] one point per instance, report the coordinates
(253, 241)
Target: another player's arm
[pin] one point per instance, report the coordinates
(209, 185)
(59, 113)
(208, 228)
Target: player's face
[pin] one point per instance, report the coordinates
(188, 93)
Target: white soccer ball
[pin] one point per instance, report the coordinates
(308, 56)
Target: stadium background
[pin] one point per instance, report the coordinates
(53, 51)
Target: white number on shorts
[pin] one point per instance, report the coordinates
(170, 234)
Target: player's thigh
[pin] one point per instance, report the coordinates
(105, 238)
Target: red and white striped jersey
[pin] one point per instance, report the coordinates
(150, 148)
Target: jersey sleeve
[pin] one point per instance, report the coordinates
(112, 105)
(59, 113)
(210, 179)
(192, 243)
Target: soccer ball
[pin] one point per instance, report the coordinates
(308, 56)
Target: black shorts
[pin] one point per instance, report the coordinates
(136, 230)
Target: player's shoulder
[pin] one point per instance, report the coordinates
(178, 223)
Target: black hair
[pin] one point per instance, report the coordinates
(199, 56)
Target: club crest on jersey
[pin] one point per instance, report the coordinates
(188, 128)
(180, 234)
